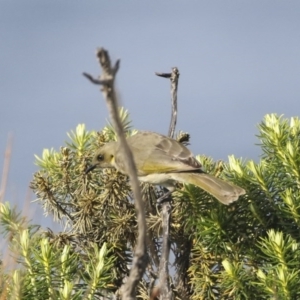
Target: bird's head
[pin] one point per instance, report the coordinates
(104, 157)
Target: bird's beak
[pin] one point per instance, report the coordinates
(90, 168)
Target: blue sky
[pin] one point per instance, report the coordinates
(238, 61)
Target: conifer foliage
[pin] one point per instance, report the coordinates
(248, 250)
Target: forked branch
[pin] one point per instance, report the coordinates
(106, 81)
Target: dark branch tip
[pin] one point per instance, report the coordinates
(165, 75)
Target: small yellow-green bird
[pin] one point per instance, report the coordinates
(163, 161)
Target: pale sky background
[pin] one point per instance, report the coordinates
(238, 61)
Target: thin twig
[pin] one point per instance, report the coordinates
(140, 257)
(174, 86)
(166, 211)
(164, 282)
(174, 76)
(94, 80)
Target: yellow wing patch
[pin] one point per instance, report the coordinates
(150, 168)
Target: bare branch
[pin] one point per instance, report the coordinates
(174, 86)
(94, 80)
(174, 76)
(165, 75)
(164, 282)
(140, 257)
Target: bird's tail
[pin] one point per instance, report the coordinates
(224, 191)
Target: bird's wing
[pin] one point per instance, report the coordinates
(155, 153)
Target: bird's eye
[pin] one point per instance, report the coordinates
(100, 157)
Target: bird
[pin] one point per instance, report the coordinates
(163, 161)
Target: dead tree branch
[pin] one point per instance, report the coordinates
(166, 212)
(106, 81)
(174, 76)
